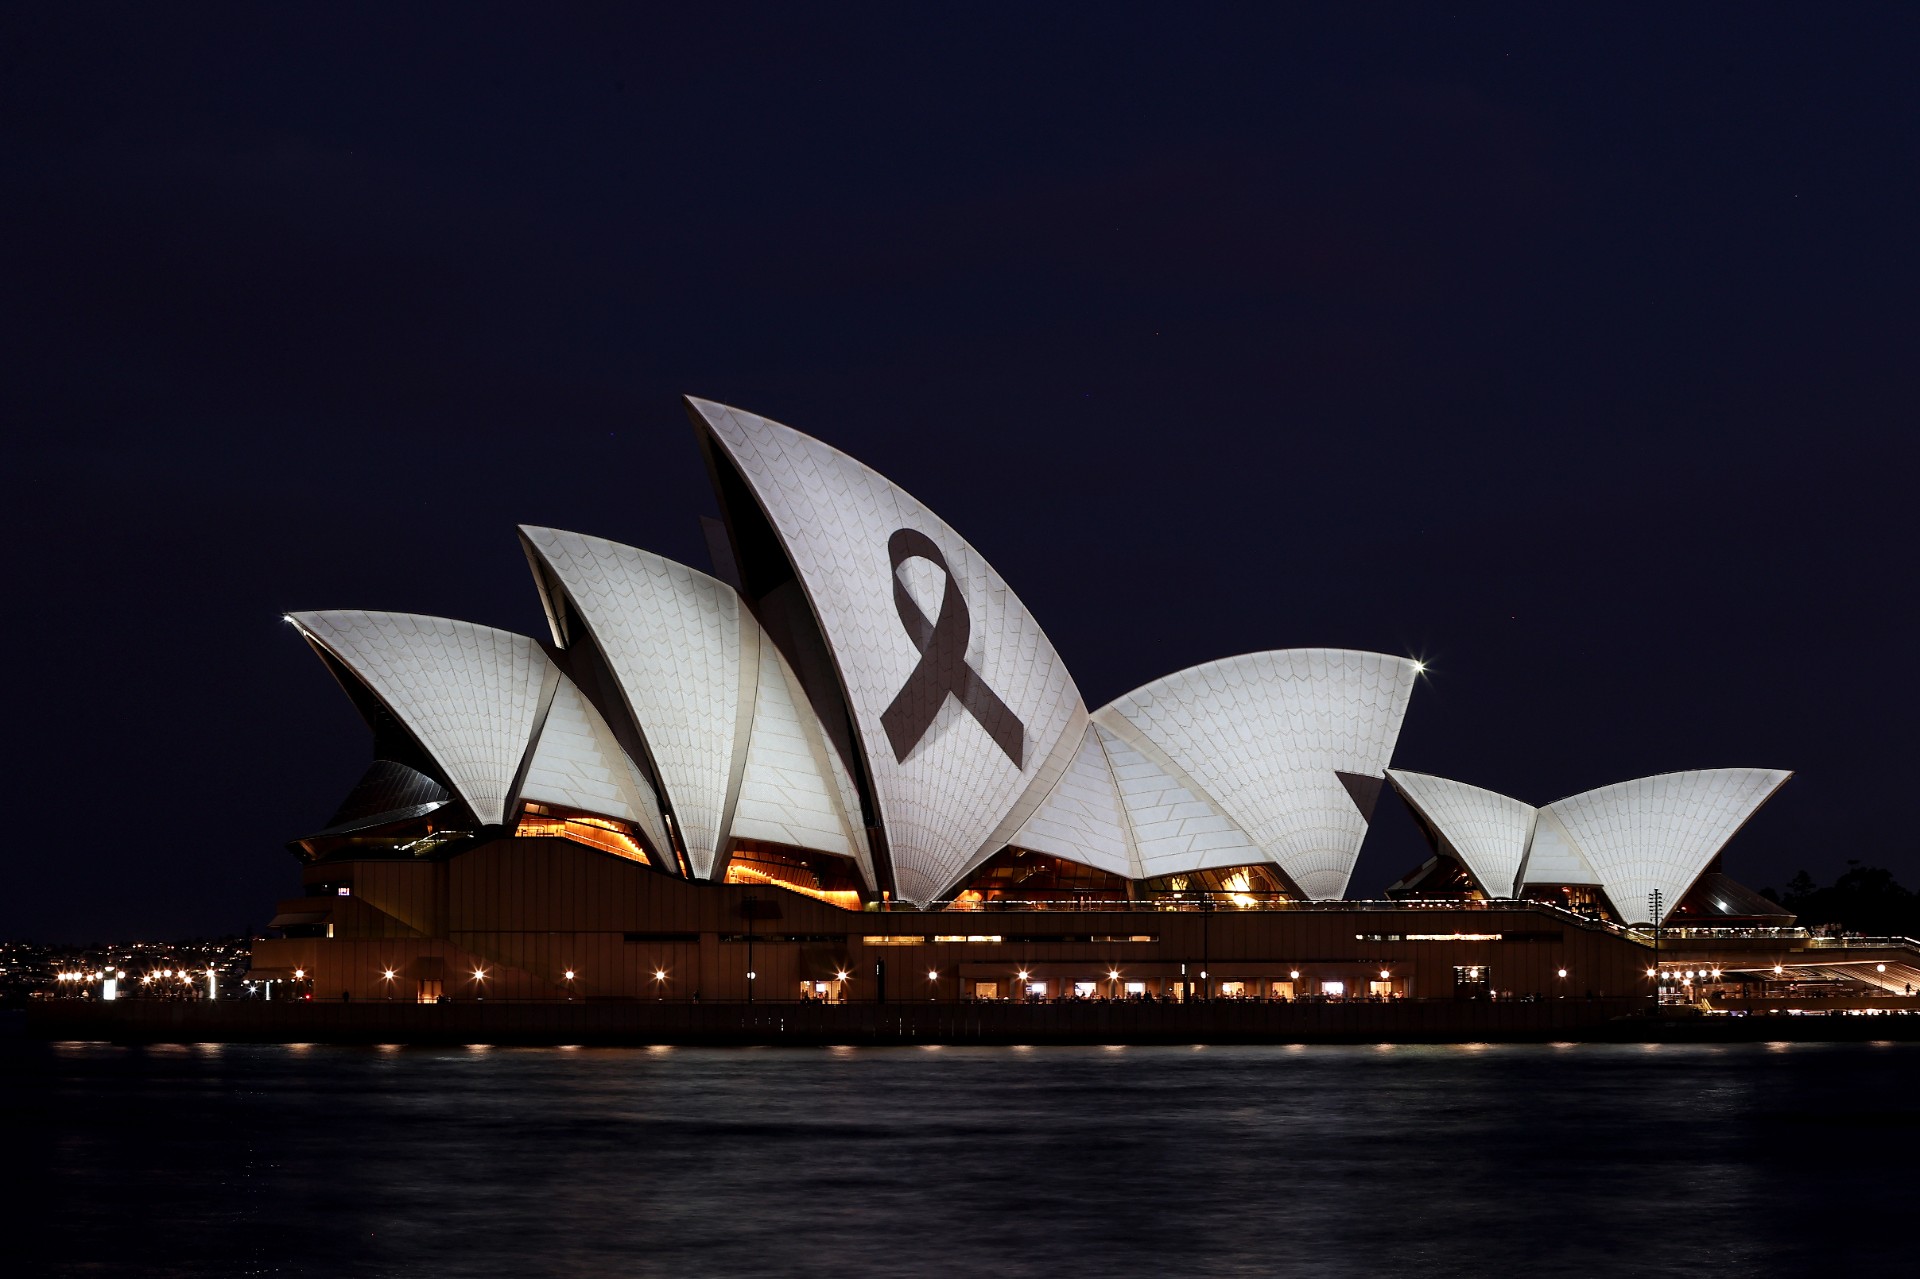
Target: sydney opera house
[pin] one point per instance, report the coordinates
(847, 765)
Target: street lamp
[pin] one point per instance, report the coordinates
(1654, 901)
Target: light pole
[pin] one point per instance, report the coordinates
(1654, 900)
(748, 907)
(1206, 945)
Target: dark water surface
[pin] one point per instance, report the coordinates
(229, 1160)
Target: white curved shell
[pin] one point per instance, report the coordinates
(1266, 735)
(1083, 818)
(791, 793)
(1175, 826)
(675, 641)
(956, 797)
(578, 764)
(470, 695)
(1485, 830)
(1659, 832)
(1553, 857)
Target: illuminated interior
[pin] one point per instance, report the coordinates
(1015, 875)
(604, 833)
(1244, 887)
(818, 875)
(1581, 899)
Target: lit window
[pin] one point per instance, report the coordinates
(1083, 989)
(1333, 989)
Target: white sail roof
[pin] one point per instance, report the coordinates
(1266, 737)
(676, 641)
(1485, 830)
(578, 764)
(470, 695)
(1084, 819)
(965, 713)
(1176, 827)
(1553, 856)
(791, 792)
(1659, 832)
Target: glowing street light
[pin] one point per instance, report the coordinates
(569, 974)
(1563, 972)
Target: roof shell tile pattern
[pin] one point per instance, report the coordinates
(956, 795)
(677, 643)
(791, 793)
(1176, 828)
(1485, 830)
(1084, 819)
(470, 695)
(1659, 833)
(1266, 735)
(578, 764)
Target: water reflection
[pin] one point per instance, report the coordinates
(1476, 1159)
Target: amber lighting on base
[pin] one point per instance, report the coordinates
(844, 898)
(605, 834)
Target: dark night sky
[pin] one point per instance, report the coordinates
(1573, 355)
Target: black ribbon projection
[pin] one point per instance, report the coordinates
(943, 665)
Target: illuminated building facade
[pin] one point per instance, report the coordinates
(851, 749)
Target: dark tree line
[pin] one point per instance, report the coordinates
(1864, 899)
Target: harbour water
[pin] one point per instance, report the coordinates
(1523, 1159)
